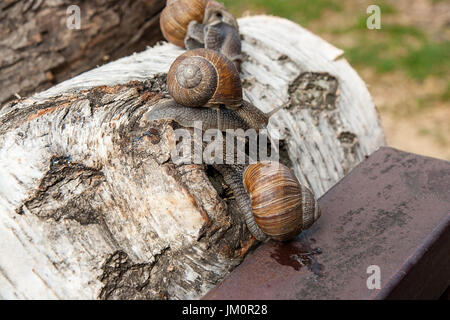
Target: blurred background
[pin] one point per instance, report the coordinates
(405, 64)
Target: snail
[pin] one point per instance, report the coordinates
(202, 24)
(281, 206)
(176, 16)
(273, 203)
(200, 80)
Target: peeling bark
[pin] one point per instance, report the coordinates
(91, 204)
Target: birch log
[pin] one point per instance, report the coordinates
(91, 205)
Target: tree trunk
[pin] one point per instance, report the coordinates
(91, 205)
(37, 49)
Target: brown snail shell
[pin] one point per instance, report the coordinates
(203, 77)
(281, 206)
(176, 16)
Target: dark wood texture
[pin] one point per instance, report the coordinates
(38, 50)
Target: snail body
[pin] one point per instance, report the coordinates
(224, 38)
(246, 117)
(282, 207)
(216, 12)
(205, 77)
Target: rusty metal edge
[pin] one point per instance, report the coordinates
(397, 281)
(432, 247)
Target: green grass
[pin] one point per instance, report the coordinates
(301, 11)
(445, 96)
(430, 59)
(397, 47)
(386, 8)
(431, 100)
(417, 56)
(393, 47)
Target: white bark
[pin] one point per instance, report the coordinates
(92, 207)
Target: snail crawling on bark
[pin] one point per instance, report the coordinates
(273, 202)
(193, 24)
(205, 86)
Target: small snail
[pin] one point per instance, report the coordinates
(201, 79)
(281, 206)
(202, 24)
(206, 78)
(176, 16)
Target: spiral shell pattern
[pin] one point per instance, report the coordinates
(203, 77)
(281, 206)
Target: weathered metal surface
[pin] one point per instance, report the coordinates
(392, 211)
